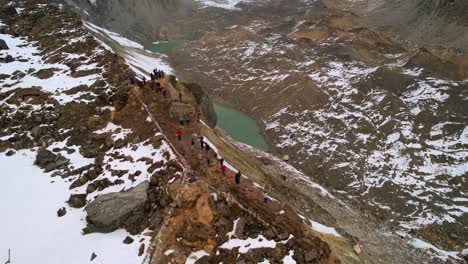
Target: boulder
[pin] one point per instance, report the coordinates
(109, 211)
(45, 73)
(44, 157)
(3, 45)
(286, 157)
(77, 200)
(8, 59)
(128, 240)
(141, 250)
(57, 164)
(61, 212)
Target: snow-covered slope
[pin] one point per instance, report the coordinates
(32, 230)
(54, 100)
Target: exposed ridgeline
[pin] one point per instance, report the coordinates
(430, 22)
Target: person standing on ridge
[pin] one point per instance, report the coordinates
(179, 134)
(164, 92)
(152, 76)
(223, 169)
(180, 97)
(181, 120)
(238, 177)
(144, 81)
(221, 161)
(202, 143)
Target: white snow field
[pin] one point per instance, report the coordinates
(226, 4)
(139, 59)
(33, 231)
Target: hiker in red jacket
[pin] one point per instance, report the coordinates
(179, 134)
(223, 169)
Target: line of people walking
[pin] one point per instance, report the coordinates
(155, 85)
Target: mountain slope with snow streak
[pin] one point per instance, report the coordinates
(374, 119)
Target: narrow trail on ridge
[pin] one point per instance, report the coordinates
(208, 177)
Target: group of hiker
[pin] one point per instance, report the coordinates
(154, 84)
(157, 74)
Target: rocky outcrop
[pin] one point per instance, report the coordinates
(3, 45)
(434, 66)
(207, 110)
(77, 200)
(110, 211)
(49, 161)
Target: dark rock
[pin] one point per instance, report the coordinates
(154, 180)
(45, 73)
(9, 11)
(8, 59)
(92, 174)
(141, 250)
(3, 45)
(93, 256)
(283, 235)
(77, 200)
(89, 151)
(10, 153)
(109, 211)
(79, 182)
(56, 165)
(61, 212)
(91, 188)
(136, 222)
(44, 157)
(128, 240)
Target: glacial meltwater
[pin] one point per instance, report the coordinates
(164, 47)
(240, 126)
